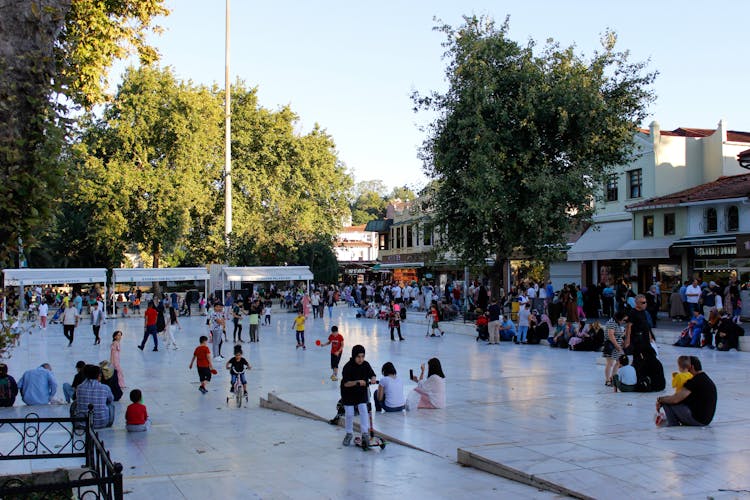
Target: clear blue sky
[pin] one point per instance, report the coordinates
(351, 66)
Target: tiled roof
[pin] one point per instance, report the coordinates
(735, 186)
(353, 229)
(732, 135)
(379, 225)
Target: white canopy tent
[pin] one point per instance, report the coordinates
(28, 277)
(144, 274)
(269, 273)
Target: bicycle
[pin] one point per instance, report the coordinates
(238, 388)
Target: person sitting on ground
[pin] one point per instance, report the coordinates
(136, 416)
(650, 371)
(38, 386)
(728, 334)
(93, 392)
(557, 338)
(69, 390)
(682, 375)
(8, 387)
(110, 379)
(507, 329)
(696, 328)
(390, 395)
(625, 380)
(695, 404)
(431, 391)
(578, 336)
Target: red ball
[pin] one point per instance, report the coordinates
(317, 342)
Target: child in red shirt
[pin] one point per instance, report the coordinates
(202, 359)
(433, 312)
(337, 347)
(136, 416)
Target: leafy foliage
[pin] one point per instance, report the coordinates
(523, 141)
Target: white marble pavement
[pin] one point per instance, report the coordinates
(199, 447)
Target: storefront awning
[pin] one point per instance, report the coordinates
(402, 265)
(259, 274)
(708, 240)
(25, 277)
(141, 274)
(648, 248)
(602, 241)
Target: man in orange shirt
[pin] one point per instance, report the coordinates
(149, 326)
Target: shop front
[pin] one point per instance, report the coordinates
(718, 258)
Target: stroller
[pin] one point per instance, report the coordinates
(56, 316)
(483, 331)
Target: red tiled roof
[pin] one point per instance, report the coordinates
(354, 229)
(732, 135)
(735, 186)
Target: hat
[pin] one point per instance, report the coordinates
(107, 370)
(357, 350)
(712, 284)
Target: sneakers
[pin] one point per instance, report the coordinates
(347, 439)
(140, 347)
(202, 389)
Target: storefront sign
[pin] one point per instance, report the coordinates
(359, 270)
(716, 251)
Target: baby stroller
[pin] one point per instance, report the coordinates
(483, 333)
(56, 316)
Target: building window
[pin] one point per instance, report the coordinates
(611, 189)
(398, 237)
(392, 244)
(710, 221)
(669, 224)
(409, 237)
(383, 241)
(635, 183)
(648, 226)
(427, 236)
(733, 218)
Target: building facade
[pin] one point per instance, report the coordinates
(638, 232)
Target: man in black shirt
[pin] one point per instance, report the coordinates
(695, 404)
(355, 376)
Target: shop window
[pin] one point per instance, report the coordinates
(635, 183)
(669, 224)
(648, 226)
(710, 221)
(409, 237)
(611, 189)
(733, 218)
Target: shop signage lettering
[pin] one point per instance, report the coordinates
(716, 251)
(356, 271)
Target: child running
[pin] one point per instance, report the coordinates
(202, 359)
(237, 365)
(435, 319)
(336, 340)
(299, 328)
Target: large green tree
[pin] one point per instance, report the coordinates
(289, 189)
(54, 55)
(524, 138)
(151, 165)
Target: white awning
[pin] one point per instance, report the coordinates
(25, 277)
(402, 265)
(603, 241)
(648, 248)
(281, 273)
(141, 274)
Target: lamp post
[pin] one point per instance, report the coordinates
(227, 136)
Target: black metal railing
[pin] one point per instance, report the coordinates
(59, 438)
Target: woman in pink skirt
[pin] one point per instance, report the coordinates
(114, 357)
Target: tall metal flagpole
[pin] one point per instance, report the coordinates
(227, 136)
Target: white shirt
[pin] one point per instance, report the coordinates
(542, 293)
(396, 291)
(43, 310)
(627, 375)
(531, 293)
(523, 316)
(393, 388)
(696, 291)
(70, 316)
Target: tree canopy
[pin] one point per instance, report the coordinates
(525, 138)
(54, 54)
